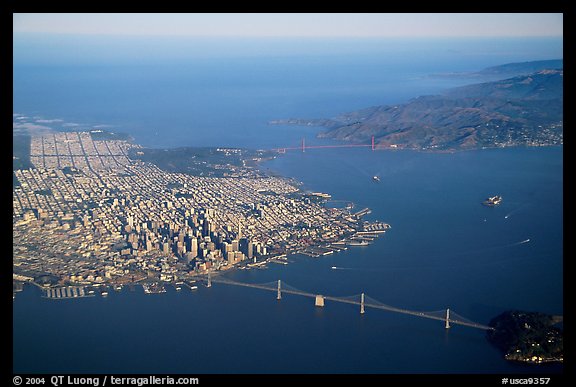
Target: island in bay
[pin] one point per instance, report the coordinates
(93, 209)
(524, 107)
(529, 337)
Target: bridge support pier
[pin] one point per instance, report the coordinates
(447, 318)
(362, 304)
(279, 295)
(319, 300)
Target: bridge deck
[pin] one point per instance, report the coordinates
(272, 286)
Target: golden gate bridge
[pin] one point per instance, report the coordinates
(303, 146)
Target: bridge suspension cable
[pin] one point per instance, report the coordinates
(363, 300)
(302, 147)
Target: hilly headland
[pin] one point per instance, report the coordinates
(521, 110)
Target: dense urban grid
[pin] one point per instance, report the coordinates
(86, 213)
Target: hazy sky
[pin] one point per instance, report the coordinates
(296, 25)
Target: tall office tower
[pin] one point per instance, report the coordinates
(180, 248)
(166, 247)
(246, 247)
(226, 247)
(219, 240)
(194, 247)
(250, 250)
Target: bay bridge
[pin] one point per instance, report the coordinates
(447, 316)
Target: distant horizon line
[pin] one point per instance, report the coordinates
(264, 37)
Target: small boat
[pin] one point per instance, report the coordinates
(376, 179)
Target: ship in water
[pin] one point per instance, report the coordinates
(376, 179)
(357, 243)
(492, 201)
(153, 288)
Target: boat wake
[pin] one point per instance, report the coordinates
(498, 247)
(521, 242)
(514, 211)
(393, 266)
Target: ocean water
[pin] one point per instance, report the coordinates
(444, 249)
(224, 94)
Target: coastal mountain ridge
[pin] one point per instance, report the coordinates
(524, 68)
(507, 70)
(522, 110)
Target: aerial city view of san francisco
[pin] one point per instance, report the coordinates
(288, 193)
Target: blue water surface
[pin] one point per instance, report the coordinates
(445, 250)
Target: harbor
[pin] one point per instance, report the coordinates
(153, 287)
(360, 238)
(64, 292)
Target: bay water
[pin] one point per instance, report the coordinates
(444, 250)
